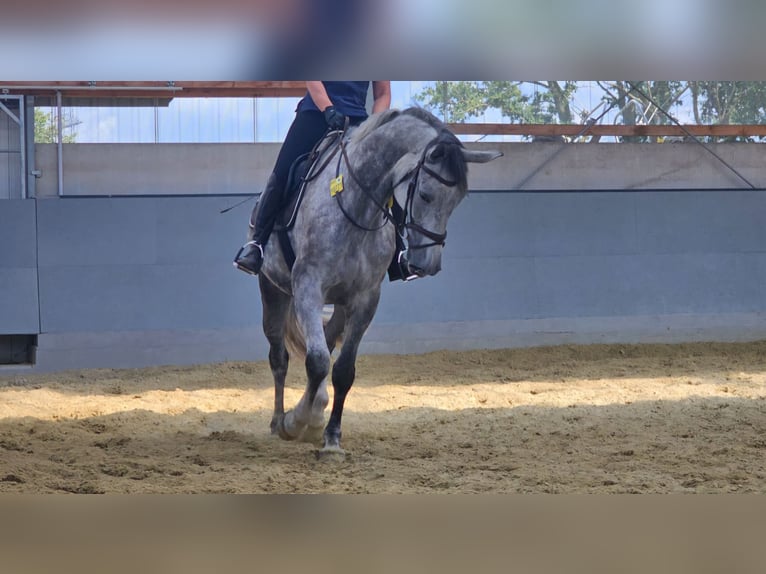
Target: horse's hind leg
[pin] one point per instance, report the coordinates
(359, 315)
(275, 307)
(333, 329)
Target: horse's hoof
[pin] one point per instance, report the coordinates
(313, 435)
(332, 454)
(282, 431)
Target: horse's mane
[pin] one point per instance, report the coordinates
(376, 120)
(453, 155)
(425, 116)
(372, 123)
(453, 159)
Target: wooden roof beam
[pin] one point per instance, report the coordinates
(553, 130)
(156, 89)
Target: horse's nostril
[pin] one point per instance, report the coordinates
(415, 270)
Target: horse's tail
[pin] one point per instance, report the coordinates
(294, 339)
(333, 322)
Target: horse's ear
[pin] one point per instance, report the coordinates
(476, 156)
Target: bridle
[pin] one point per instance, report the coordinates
(412, 188)
(407, 222)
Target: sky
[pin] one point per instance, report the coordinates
(188, 120)
(243, 120)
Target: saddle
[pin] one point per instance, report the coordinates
(303, 170)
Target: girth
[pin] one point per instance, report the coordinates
(303, 170)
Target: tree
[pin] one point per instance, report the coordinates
(458, 101)
(728, 102)
(635, 102)
(642, 103)
(553, 103)
(46, 128)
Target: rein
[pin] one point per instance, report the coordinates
(407, 222)
(384, 210)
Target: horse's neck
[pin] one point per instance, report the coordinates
(374, 158)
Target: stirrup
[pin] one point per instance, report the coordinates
(241, 267)
(404, 265)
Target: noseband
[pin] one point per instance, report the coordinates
(407, 222)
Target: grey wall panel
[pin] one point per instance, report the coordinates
(135, 297)
(642, 285)
(148, 280)
(583, 224)
(130, 349)
(466, 335)
(594, 286)
(528, 224)
(18, 234)
(545, 264)
(134, 231)
(197, 232)
(19, 312)
(491, 225)
(708, 283)
(97, 232)
(480, 289)
(133, 264)
(678, 222)
(18, 301)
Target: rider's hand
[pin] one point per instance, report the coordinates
(334, 119)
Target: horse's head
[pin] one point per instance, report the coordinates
(432, 184)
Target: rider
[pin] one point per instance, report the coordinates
(325, 107)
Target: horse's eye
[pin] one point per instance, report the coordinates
(426, 197)
(437, 154)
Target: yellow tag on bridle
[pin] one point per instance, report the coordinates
(390, 203)
(336, 185)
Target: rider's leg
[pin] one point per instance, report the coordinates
(306, 130)
(250, 257)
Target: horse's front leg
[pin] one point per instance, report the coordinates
(309, 412)
(359, 315)
(275, 308)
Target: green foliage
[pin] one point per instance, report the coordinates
(458, 101)
(46, 129)
(729, 102)
(648, 102)
(653, 102)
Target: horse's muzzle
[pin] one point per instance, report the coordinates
(420, 272)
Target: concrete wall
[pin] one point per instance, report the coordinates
(131, 281)
(200, 169)
(152, 169)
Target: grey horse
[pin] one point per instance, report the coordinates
(343, 241)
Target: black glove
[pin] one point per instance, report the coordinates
(334, 119)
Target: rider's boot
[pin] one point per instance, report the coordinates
(250, 256)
